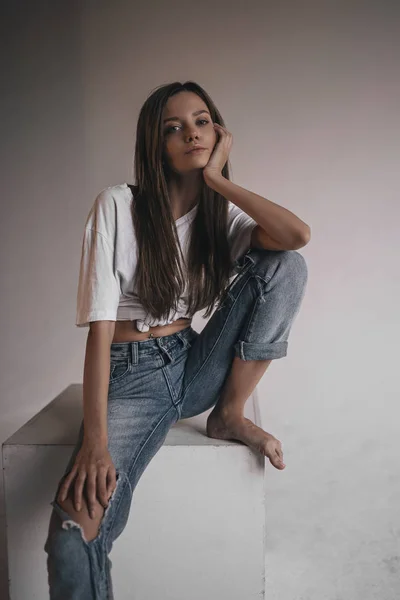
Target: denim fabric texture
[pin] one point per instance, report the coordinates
(154, 383)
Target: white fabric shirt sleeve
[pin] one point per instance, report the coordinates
(240, 226)
(98, 288)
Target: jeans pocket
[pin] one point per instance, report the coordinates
(118, 370)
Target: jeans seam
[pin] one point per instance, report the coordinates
(122, 489)
(183, 394)
(256, 303)
(128, 473)
(170, 388)
(147, 439)
(262, 293)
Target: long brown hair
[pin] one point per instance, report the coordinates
(159, 280)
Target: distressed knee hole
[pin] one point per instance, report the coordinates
(89, 528)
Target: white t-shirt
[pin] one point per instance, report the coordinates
(106, 288)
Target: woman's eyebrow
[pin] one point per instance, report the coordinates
(197, 112)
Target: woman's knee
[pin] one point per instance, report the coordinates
(295, 262)
(289, 263)
(89, 526)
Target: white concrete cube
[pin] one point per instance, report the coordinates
(196, 530)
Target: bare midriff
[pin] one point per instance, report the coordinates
(126, 331)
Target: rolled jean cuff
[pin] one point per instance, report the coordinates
(252, 351)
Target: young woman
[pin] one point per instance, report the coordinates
(183, 239)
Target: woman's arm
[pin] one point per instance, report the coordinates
(279, 223)
(96, 380)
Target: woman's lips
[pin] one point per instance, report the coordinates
(196, 150)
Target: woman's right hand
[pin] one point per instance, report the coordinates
(93, 462)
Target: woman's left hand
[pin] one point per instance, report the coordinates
(220, 153)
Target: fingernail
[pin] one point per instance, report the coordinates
(78, 506)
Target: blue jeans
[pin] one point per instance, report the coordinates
(154, 383)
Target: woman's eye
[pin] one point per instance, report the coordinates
(172, 126)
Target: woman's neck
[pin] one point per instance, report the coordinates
(184, 194)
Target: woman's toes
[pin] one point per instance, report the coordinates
(277, 461)
(275, 455)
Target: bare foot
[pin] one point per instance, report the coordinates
(224, 425)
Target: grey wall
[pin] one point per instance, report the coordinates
(310, 91)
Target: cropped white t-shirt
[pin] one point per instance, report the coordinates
(106, 288)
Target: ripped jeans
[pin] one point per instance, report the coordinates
(154, 383)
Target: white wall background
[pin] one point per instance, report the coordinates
(310, 91)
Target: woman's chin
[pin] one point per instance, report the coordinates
(186, 169)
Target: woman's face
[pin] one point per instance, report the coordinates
(187, 125)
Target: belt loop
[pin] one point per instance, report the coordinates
(183, 339)
(134, 353)
(160, 345)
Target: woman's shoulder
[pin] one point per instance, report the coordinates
(110, 201)
(120, 192)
